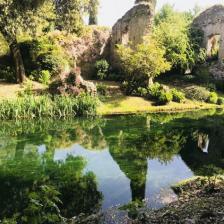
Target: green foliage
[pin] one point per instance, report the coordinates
(177, 96)
(172, 31)
(202, 74)
(213, 98)
(101, 89)
(143, 64)
(44, 53)
(70, 15)
(220, 101)
(102, 69)
(197, 93)
(160, 93)
(31, 107)
(7, 73)
(45, 77)
(165, 97)
(93, 11)
(142, 92)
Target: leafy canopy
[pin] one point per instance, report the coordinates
(147, 60)
(173, 31)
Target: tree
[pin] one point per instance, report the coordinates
(146, 61)
(93, 11)
(70, 15)
(173, 31)
(17, 16)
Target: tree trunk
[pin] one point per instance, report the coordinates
(18, 61)
(150, 82)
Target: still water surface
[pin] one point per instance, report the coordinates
(99, 163)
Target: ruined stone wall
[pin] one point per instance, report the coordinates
(211, 22)
(134, 25)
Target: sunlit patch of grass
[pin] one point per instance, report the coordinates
(132, 105)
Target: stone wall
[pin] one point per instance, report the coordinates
(134, 25)
(85, 51)
(211, 22)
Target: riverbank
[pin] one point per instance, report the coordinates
(199, 202)
(115, 103)
(120, 105)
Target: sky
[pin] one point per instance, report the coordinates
(112, 10)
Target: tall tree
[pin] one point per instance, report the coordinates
(70, 15)
(17, 16)
(93, 11)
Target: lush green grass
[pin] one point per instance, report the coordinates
(132, 105)
(30, 107)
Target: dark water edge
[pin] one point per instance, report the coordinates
(93, 165)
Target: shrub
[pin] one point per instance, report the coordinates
(165, 97)
(162, 94)
(43, 53)
(177, 96)
(143, 92)
(197, 93)
(144, 63)
(189, 78)
(213, 98)
(101, 89)
(154, 90)
(220, 101)
(102, 68)
(7, 73)
(45, 77)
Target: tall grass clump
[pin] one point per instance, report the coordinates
(31, 107)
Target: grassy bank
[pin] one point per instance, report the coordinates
(134, 105)
(29, 107)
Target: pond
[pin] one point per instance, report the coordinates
(90, 165)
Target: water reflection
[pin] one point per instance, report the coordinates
(83, 166)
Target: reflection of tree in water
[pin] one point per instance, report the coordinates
(19, 178)
(131, 140)
(23, 171)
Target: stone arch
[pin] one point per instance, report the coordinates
(211, 22)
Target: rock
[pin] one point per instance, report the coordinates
(133, 26)
(72, 83)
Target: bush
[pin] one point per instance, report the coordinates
(43, 53)
(142, 64)
(102, 69)
(30, 107)
(143, 92)
(178, 96)
(165, 97)
(220, 101)
(162, 94)
(189, 78)
(101, 89)
(197, 93)
(7, 73)
(213, 98)
(45, 77)
(155, 90)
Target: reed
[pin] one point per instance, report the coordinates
(31, 107)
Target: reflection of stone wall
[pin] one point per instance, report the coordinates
(211, 22)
